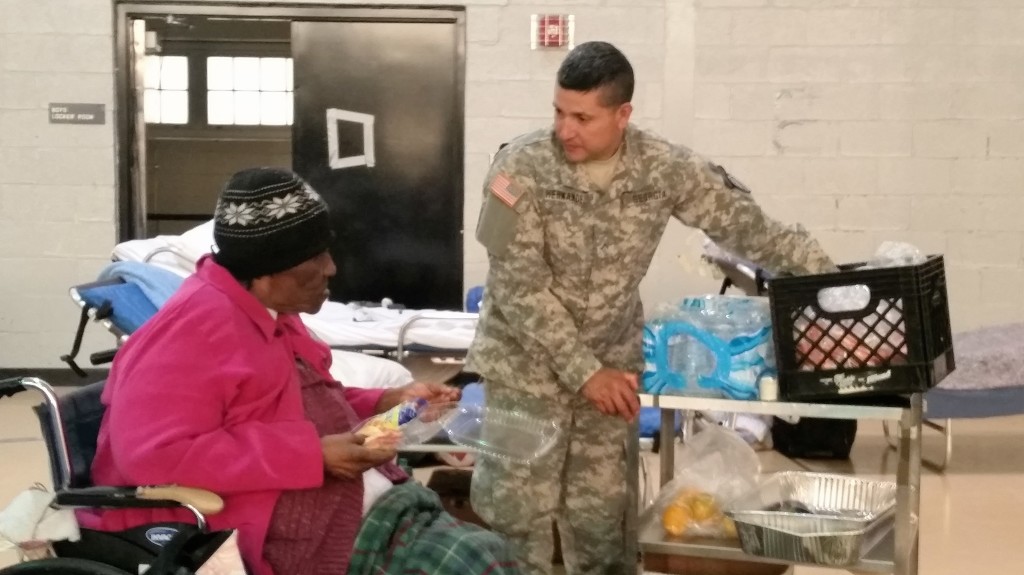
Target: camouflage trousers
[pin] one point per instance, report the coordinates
(580, 484)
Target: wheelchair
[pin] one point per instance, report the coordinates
(70, 426)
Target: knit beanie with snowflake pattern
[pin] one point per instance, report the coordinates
(268, 220)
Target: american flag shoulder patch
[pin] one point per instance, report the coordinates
(505, 190)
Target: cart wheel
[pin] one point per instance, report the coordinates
(62, 566)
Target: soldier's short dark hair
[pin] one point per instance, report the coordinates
(594, 65)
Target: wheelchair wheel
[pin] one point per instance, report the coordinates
(62, 566)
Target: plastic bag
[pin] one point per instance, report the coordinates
(29, 524)
(226, 560)
(715, 467)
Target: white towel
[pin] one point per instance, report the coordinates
(29, 517)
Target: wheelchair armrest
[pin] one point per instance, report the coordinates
(11, 387)
(205, 502)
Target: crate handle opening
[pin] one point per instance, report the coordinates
(844, 298)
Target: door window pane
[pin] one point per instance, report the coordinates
(151, 73)
(247, 74)
(174, 107)
(272, 74)
(151, 106)
(165, 100)
(247, 108)
(220, 108)
(275, 108)
(249, 91)
(173, 72)
(219, 73)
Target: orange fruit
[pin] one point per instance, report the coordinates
(729, 528)
(703, 507)
(676, 520)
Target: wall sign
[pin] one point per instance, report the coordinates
(78, 113)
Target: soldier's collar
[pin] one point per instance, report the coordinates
(630, 163)
(573, 176)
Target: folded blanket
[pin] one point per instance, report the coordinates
(408, 531)
(158, 284)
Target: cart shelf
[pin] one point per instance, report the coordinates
(652, 540)
(897, 553)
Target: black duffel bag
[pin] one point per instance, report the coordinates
(814, 438)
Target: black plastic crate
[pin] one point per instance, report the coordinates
(900, 342)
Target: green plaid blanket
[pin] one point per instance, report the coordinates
(407, 532)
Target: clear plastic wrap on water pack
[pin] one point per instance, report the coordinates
(712, 346)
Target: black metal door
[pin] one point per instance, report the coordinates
(378, 132)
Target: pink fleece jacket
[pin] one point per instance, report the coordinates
(206, 394)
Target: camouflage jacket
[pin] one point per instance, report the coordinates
(566, 259)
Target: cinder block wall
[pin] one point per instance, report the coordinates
(866, 120)
(878, 120)
(56, 181)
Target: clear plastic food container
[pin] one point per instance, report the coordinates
(499, 433)
(509, 435)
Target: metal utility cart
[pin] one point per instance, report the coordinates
(907, 311)
(897, 553)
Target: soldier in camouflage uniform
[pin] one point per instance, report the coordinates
(571, 219)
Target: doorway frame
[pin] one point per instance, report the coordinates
(128, 209)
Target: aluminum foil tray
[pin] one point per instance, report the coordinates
(814, 517)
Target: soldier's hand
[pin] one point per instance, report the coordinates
(613, 392)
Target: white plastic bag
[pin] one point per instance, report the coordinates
(226, 560)
(715, 467)
(30, 523)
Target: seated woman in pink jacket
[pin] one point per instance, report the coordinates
(225, 389)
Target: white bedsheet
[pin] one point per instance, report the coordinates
(351, 325)
(337, 324)
(366, 371)
(177, 254)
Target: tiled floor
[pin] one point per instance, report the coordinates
(968, 514)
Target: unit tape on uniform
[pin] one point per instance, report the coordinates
(643, 197)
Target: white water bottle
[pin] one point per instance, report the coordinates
(768, 388)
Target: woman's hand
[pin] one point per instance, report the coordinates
(431, 392)
(346, 456)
